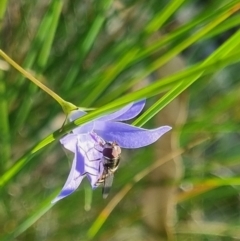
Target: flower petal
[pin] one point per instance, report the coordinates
(136, 108)
(93, 162)
(69, 142)
(87, 127)
(126, 113)
(74, 178)
(128, 136)
(75, 114)
(116, 114)
(93, 179)
(87, 146)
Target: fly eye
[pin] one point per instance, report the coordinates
(108, 152)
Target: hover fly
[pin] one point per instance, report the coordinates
(111, 157)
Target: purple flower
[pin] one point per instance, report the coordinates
(84, 142)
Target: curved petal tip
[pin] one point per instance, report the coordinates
(128, 136)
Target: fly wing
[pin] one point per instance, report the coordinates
(107, 185)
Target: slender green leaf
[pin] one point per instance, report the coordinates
(5, 138)
(44, 207)
(161, 61)
(85, 46)
(48, 41)
(157, 22)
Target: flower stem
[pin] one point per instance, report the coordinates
(66, 106)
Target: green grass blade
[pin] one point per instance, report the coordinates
(7, 176)
(5, 138)
(158, 63)
(157, 22)
(48, 41)
(149, 91)
(224, 103)
(160, 104)
(232, 22)
(49, 22)
(115, 56)
(44, 207)
(85, 46)
(210, 65)
(3, 6)
(222, 51)
(183, 30)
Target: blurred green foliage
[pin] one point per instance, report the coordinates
(93, 54)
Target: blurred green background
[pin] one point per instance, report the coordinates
(183, 56)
